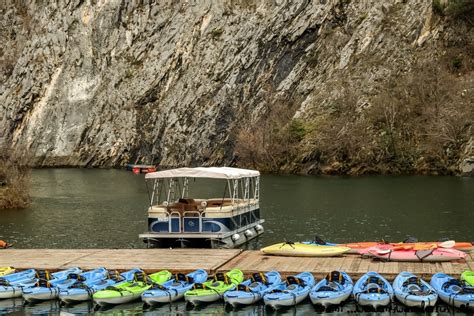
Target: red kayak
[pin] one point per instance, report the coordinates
(411, 255)
(463, 246)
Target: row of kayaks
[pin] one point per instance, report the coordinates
(418, 251)
(107, 287)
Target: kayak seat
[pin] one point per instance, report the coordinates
(141, 277)
(199, 286)
(415, 289)
(452, 282)
(4, 282)
(43, 283)
(335, 276)
(254, 285)
(467, 290)
(374, 280)
(43, 274)
(216, 283)
(374, 288)
(79, 285)
(326, 288)
(183, 277)
(221, 277)
(243, 288)
(76, 276)
(412, 280)
(157, 286)
(295, 281)
(115, 275)
(259, 277)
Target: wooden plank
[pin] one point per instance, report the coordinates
(150, 260)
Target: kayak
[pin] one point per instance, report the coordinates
(333, 290)
(6, 271)
(46, 285)
(173, 289)
(83, 291)
(11, 285)
(413, 291)
(453, 292)
(304, 250)
(4, 245)
(373, 290)
(252, 290)
(99, 279)
(356, 246)
(290, 292)
(214, 289)
(429, 255)
(130, 291)
(468, 276)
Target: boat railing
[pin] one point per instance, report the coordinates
(192, 221)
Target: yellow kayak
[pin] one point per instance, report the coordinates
(6, 270)
(304, 250)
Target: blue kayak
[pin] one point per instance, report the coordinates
(413, 291)
(173, 289)
(373, 290)
(290, 292)
(333, 290)
(453, 292)
(83, 290)
(11, 285)
(252, 290)
(47, 286)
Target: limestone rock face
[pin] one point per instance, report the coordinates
(106, 82)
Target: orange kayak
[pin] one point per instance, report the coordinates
(355, 247)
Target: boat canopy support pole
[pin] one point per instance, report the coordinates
(185, 188)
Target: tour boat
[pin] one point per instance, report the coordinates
(204, 207)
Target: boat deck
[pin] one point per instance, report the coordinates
(214, 260)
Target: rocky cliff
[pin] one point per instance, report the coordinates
(105, 82)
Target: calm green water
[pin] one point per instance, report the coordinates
(81, 208)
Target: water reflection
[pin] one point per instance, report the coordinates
(11, 306)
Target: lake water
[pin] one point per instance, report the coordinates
(82, 208)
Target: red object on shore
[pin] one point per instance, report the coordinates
(152, 169)
(3, 244)
(136, 170)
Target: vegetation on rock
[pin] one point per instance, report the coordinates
(14, 180)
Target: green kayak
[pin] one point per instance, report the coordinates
(214, 288)
(468, 276)
(130, 290)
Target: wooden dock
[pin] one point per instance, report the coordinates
(216, 260)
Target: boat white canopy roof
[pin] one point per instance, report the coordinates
(204, 172)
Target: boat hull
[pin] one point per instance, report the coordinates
(326, 301)
(163, 299)
(202, 299)
(10, 293)
(45, 294)
(117, 300)
(249, 299)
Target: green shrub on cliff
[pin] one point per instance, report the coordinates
(13, 183)
(455, 8)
